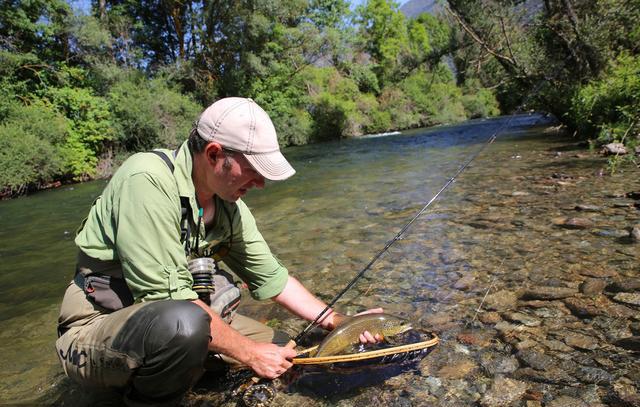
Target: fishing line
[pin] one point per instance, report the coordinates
(485, 294)
(375, 258)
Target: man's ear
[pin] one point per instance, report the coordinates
(212, 151)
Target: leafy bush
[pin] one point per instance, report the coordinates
(610, 106)
(479, 102)
(331, 117)
(25, 159)
(150, 114)
(435, 97)
(90, 128)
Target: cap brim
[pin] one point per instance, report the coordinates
(273, 166)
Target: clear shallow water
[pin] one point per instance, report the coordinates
(494, 225)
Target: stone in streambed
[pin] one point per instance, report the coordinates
(635, 234)
(591, 307)
(503, 392)
(548, 293)
(494, 363)
(593, 286)
(464, 283)
(624, 285)
(573, 223)
(501, 300)
(588, 208)
(580, 341)
(566, 401)
(592, 375)
(474, 338)
(457, 370)
(612, 233)
(522, 318)
(631, 343)
(623, 393)
(489, 317)
(628, 298)
(534, 359)
(553, 375)
(598, 272)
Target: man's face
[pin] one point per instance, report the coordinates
(237, 177)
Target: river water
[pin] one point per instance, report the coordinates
(524, 267)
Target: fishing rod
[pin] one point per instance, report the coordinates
(375, 258)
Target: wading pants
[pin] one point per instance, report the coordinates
(152, 351)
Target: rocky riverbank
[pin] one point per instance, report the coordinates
(562, 328)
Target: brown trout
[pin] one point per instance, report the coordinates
(348, 333)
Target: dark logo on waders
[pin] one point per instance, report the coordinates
(74, 357)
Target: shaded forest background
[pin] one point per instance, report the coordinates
(80, 92)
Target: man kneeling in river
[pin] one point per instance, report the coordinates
(132, 317)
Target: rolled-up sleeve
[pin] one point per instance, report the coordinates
(146, 216)
(251, 259)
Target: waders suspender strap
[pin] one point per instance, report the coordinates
(185, 225)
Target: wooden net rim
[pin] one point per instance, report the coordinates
(365, 355)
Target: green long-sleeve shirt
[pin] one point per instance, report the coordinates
(136, 220)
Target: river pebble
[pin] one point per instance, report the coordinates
(489, 317)
(588, 208)
(493, 363)
(628, 298)
(631, 343)
(534, 359)
(624, 393)
(501, 301)
(522, 318)
(547, 293)
(593, 286)
(580, 341)
(503, 392)
(625, 285)
(573, 223)
(566, 401)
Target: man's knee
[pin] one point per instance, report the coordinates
(177, 324)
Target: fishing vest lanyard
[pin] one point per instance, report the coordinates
(185, 224)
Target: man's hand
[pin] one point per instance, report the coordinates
(365, 337)
(269, 360)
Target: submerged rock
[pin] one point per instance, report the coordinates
(625, 285)
(501, 300)
(522, 318)
(573, 223)
(548, 293)
(588, 208)
(600, 305)
(566, 401)
(494, 363)
(628, 298)
(624, 393)
(503, 392)
(580, 341)
(632, 343)
(593, 286)
(535, 359)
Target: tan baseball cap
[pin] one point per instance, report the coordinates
(241, 125)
